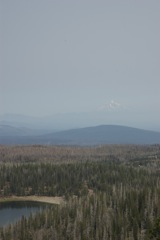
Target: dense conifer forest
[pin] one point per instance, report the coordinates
(110, 192)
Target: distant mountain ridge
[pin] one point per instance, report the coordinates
(103, 134)
(112, 112)
(7, 130)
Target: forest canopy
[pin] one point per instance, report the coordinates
(110, 192)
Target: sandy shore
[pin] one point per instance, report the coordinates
(44, 199)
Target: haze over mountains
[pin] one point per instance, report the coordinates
(109, 113)
(69, 129)
(82, 63)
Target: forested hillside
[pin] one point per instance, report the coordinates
(110, 192)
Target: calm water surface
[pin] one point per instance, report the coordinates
(11, 212)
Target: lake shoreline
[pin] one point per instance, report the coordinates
(42, 199)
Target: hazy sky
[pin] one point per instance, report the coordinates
(76, 55)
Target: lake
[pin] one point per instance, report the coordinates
(11, 212)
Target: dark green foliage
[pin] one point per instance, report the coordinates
(76, 178)
(155, 231)
(106, 198)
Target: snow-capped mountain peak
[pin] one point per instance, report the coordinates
(111, 106)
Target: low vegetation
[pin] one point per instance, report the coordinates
(110, 192)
